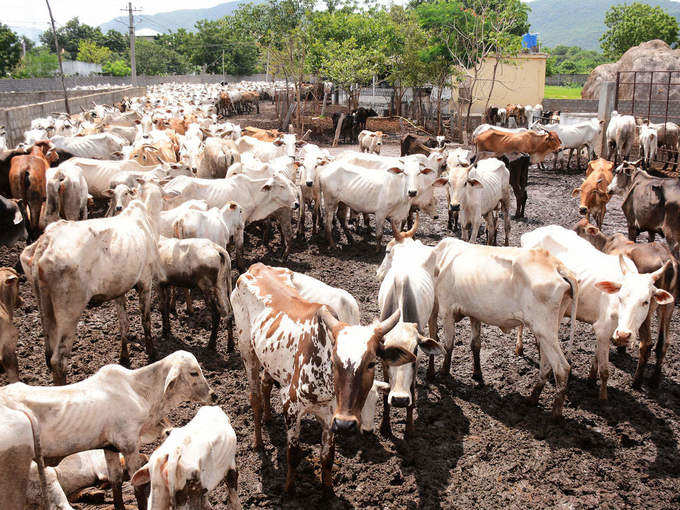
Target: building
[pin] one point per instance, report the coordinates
(148, 34)
(72, 67)
(519, 80)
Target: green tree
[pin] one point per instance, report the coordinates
(213, 39)
(38, 63)
(70, 35)
(572, 60)
(116, 68)
(153, 58)
(630, 25)
(116, 42)
(10, 49)
(90, 51)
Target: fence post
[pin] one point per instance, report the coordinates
(604, 111)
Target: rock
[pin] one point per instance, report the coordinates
(649, 56)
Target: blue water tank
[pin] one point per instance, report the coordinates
(529, 41)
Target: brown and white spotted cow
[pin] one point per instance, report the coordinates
(324, 367)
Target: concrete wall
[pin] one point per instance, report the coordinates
(81, 68)
(17, 120)
(32, 84)
(519, 81)
(571, 105)
(10, 99)
(655, 111)
(566, 79)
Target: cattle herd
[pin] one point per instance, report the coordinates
(184, 189)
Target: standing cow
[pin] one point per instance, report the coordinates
(593, 192)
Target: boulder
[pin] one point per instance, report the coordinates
(653, 55)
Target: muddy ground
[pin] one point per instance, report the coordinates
(474, 447)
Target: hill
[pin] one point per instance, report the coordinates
(165, 21)
(578, 22)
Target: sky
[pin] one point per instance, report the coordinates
(33, 13)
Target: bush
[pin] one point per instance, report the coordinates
(116, 68)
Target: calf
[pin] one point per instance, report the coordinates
(651, 204)
(620, 136)
(507, 288)
(12, 223)
(614, 297)
(593, 191)
(75, 263)
(407, 274)
(647, 258)
(538, 146)
(370, 141)
(201, 263)
(67, 195)
(9, 300)
(116, 409)
(191, 462)
(476, 191)
(324, 367)
(27, 180)
(519, 178)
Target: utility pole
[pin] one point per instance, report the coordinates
(61, 67)
(224, 76)
(131, 28)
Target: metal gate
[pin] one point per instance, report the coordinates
(653, 96)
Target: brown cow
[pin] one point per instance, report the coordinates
(414, 144)
(265, 135)
(593, 191)
(537, 145)
(27, 180)
(9, 300)
(647, 258)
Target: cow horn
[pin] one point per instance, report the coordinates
(410, 233)
(328, 318)
(398, 235)
(386, 326)
(659, 272)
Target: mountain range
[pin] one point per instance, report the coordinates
(568, 22)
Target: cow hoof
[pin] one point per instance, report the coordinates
(479, 378)
(519, 351)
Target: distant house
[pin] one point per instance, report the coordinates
(148, 34)
(519, 80)
(81, 68)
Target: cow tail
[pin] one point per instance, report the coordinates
(570, 278)
(38, 456)
(179, 229)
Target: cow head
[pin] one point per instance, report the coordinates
(635, 293)
(356, 350)
(119, 197)
(47, 149)
(461, 184)
(147, 155)
(623, 176)
(232, 215)
(591, 233)
(12, 221)
(183, 380)
(278, 192)
(553, 141)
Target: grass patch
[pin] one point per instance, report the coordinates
(559, 92)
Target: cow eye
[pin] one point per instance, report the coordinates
(645, 303)
(371, 364)
(193, 374)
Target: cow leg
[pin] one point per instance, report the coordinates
(331, 208)
(327, 458)
(301, 221)
(215, 316)
(293, 453)
(267, 383)
(645, 347)
(519, 344)
(410, 427)
(490, 228)
(189, 302)
(145, 309)
(475, 346)
(433, 334)
(164, 302)
(632, 232)
(115, 472)
(284, 217)
(386, 425)
(379, 227)
(124, 327)
(664, 314)
(505, 208)
(367, 225)
(134, 461)
(557, 156)
(449, 334)
(571, 153)
(342, 218)
(602, 355)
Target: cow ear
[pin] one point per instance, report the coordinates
(167, 195)
(592, 229)
(142, 476)
(171, 381)
(233, 205)
(626, 265)
(426, 171)
(663, 298)
(575, 192)
(395, 356)
(608, 287)
(266, 187)
(395, 170)
(18, 217)
(442, 181)
(474, 183)
(278, 142)
(430, 346)
(108, 193)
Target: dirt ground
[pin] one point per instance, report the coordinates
(474, 447)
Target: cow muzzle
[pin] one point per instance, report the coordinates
(621, 338)
(345, 425)
(454, 207)
(213, 396)
(412, 193)
(296, 206)
(400, 400)
(583, 209)
(309, 184)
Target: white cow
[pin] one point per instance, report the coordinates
(264, 151)
(66, 194)
(213, 161)
(191, 462)
(620, 136)
(614, 297)
(339, 300)
(407, 274)
(476, 191)
(99, 146)
(575, 136)
(507, 288)
(167, 219)
(115, 408)
(312, 159)
(370, 141)
(648, 140)
(75, 262)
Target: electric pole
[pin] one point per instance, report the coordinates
(61, 67)
(224, 77)
(131, 27)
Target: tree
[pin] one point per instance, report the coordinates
(10, 49)
(116, 68)
(90, 51)
(38, 63)
(116, 42)
(153, 59)
(216, 38)
(70, 35)
(630, 25)
(572, 60)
